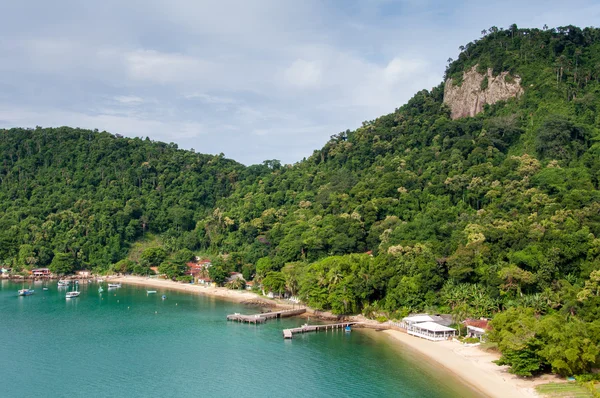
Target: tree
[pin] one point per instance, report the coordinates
(560, 138)
(515, 332)
(218, 274)
(62, 264)
(571, 346)
(171, 269)
(153, 256)
(124, 266)
(274, 282)
(592, 287)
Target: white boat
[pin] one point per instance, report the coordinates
(114, 285)
(100, 289)
(72, 294)
(63, 283)
(151, 291)
(100, 280)
(26, 292)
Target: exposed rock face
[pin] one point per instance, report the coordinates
(468, 98)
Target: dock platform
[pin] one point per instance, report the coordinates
(262, 318)
(289, 333)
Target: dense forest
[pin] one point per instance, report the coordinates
(496, 215)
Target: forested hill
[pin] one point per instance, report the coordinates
(84, 195)
(497, 214)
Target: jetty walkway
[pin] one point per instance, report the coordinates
(262, 318)
(289, 333)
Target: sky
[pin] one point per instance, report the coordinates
(252, 79)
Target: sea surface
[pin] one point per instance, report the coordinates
(126, 343)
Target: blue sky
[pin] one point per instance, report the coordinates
(253, 79)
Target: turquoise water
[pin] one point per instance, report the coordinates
(125, 343)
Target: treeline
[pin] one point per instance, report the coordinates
(72, 198)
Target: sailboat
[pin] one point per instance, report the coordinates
(73, 294)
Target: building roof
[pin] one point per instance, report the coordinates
(478, 323)
(433, 327)
(418, 318)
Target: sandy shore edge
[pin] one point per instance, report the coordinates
(471, 365)
(237, 296)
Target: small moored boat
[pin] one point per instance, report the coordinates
(100, 289)
(72, 294)
(114, 285)
(164, 297)
(347, 329)
(26, 292)
(44, 288)
(63, 283)
(151, 291)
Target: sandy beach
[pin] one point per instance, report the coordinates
(469, 364)
(221, 292)
(473, 366)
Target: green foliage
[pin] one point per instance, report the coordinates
(171, 269)
(218, 274)
(153, 256)
(274, 282)
(559, 138)
(62, 263)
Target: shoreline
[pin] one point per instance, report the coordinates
(473, 366)
(469, 364)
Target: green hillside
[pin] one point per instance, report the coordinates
(493, 215)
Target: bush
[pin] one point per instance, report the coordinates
(381, 318)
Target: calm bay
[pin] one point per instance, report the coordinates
(125, 342)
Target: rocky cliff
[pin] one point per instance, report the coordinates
(468, 98)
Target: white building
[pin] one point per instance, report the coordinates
(431, 331)
(430, 327)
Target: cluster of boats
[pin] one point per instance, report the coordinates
(75, 293)
(66, 283)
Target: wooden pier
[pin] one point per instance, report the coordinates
(289, 333)
(262, 318)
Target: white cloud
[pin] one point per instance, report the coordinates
(165, 68)
(303, 74)
(211, 99)
(128, 99)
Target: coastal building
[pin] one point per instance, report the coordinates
(204, 281)
(84, 273)
(249, 285)
(40, 272)
(477, 327)
(195, 270)
(430, 327)
(234, 276)
(5, 270)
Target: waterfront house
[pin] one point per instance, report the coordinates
(249, 285)
(195, 270)
(431, 331)
(5, 270)
(40, 272)
(477, 327)
(430, 327)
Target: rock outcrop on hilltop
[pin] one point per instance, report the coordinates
(468, 98)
